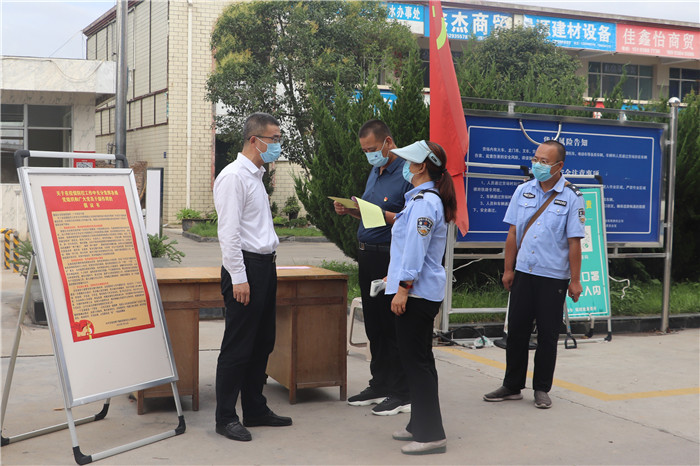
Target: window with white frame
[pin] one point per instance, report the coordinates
(603, 77)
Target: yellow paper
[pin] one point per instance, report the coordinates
(372, 216)
(349, 203)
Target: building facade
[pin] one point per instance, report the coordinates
(48, 104)
(171, 122)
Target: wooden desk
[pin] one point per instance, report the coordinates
(311, 326)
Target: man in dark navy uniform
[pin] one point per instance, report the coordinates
(386, 188)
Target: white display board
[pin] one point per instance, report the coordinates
(98, 282)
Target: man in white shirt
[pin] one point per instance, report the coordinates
(248, 281)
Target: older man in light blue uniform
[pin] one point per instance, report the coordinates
(542, 263)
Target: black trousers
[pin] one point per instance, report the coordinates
(249, 338)
(386, 370)
(415, 335)
(539, 299)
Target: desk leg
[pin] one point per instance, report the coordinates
(195, 397)
(140, 409)
(293, 394)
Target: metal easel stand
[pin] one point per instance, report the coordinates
(588, 336)
(80, 458)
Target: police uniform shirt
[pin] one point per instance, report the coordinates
(245, 221)
(418, 242)
(545, 249)
(387, 191)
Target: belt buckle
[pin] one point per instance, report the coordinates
(362, 246)
(274, 257)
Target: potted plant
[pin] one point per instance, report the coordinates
(163, 250)
(291, 207)
(190, 217)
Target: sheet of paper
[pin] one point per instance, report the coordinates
(349, 203)
(372, 216)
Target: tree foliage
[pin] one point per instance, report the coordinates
(339, 168)
(272, 55)
(686, 244)
(519, 64)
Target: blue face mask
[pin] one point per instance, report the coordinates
(376, 158)
(407, 175)
(541, 171)
(272, 153)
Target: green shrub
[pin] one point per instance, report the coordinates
(281, 221)
(160, 248)
(299, 222)
(291, 208)
(213, 217)
(188, 213)
(206, 229)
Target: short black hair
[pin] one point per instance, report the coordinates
(256, 123)
(561, 150)
(377, 127)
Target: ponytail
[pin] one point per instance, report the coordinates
(443, 181)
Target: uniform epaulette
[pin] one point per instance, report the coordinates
(574, 188)
(420, 194)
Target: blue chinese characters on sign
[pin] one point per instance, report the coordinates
(577, 34)
(465, 24)
(628, 159)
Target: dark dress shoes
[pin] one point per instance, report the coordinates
(235, 431)
(270, 419)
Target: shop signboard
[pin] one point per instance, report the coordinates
(576, 33)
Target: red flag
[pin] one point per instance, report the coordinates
(447, 124)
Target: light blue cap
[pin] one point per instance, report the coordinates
(417, 153)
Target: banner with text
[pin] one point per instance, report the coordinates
(576, 33)
(595, 299)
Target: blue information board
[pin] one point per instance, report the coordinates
(628, 158)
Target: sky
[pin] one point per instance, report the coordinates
(52, 28)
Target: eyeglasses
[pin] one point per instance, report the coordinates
(543, 162)
(275, 139)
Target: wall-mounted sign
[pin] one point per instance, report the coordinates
(628, 159)
(411, 15)
(575, 33)
(464, 24)
(660, 42)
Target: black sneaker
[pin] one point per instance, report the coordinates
(368, 396)
(392, 405)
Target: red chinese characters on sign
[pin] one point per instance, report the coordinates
(661, 42)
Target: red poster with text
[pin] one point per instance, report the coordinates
(98, 259)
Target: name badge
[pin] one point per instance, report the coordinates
(559, 202)
(529, 195)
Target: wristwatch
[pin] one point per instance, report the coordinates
(406, 285)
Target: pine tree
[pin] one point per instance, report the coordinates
(339, 167)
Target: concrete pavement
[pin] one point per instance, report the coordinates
(634, 400)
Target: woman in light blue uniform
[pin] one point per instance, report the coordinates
(417, 278)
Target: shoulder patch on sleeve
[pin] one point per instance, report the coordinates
(575, 189)
(424, 225)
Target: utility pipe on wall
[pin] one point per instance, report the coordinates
(189, 103)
